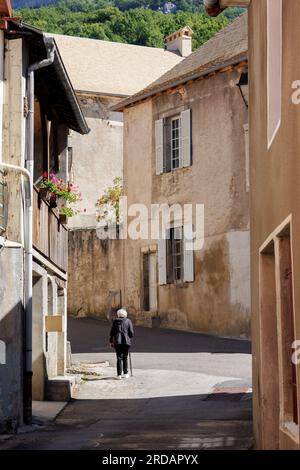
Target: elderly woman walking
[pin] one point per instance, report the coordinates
(120, 339)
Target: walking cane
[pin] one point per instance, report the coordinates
(130, 363)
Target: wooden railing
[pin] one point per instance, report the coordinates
(50, 236)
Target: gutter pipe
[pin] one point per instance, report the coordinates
(50, 47)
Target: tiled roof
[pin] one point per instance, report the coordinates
(228, 44)
(112, 68)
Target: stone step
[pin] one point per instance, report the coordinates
(61, 388)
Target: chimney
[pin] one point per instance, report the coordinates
(180, 41)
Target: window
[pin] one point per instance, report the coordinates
(274, 66)
(175, 256)
(286, 319)
(278, 377)
(173, 142)
(150, 282)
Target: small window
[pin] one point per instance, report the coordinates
(175, 256)
(176, 143)
(274, 67)
(173, 142)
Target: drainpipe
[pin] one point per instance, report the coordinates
(19, 170)
(49, 43)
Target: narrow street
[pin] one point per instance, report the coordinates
(188, 391)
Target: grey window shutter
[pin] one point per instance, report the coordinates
(162, 261)
(159, 146)
(186, 137)
(188, 255)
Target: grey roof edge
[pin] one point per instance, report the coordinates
(140, 96)
(62, 73)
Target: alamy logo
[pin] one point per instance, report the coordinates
(141, 222)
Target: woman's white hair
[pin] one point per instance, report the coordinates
(122, 313)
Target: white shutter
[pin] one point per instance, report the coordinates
(188, 254)
(159, 146)
(186, 138)
(162, 261)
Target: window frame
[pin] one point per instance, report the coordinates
(178, 138)
(172, 255)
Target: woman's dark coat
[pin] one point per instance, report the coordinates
(121, 332)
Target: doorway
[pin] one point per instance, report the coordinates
(150, 282)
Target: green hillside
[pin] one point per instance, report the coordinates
(130, 21)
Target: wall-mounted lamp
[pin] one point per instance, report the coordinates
(243, 86)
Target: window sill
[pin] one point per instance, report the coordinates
(178, 284)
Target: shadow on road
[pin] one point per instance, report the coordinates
(179, 422)
(92, 336)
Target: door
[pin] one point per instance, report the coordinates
(150, 282)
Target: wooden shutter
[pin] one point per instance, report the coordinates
(188, 254)
(186, 138)
(162, 261)
(159, 146)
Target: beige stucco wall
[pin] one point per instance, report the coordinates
(94, 274)
(275, 195)
(219, 299)
(98, 156)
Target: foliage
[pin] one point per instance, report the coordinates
(131, 21)
(67, 192)
(108, 205)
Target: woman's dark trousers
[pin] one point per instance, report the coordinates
(122, 358)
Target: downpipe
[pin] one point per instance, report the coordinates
(28, 219)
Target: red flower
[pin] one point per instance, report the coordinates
(62, 205)
(45, 174)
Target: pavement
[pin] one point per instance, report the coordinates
(188, 391)
(45, 411)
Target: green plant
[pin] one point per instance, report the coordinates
(59, 188)
(68, 192)
(68, 211)
(108, 205)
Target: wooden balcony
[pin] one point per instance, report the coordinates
(50, 236)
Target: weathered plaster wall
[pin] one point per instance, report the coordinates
(11, 256)
(275, 195)
(97, 158)
(13, 143)
(95, 269)
(218, 300)
(11, 334)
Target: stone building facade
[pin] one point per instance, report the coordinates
(33, 269)
(102, 73)
(163, 283)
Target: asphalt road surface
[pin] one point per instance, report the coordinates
(188, 391)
